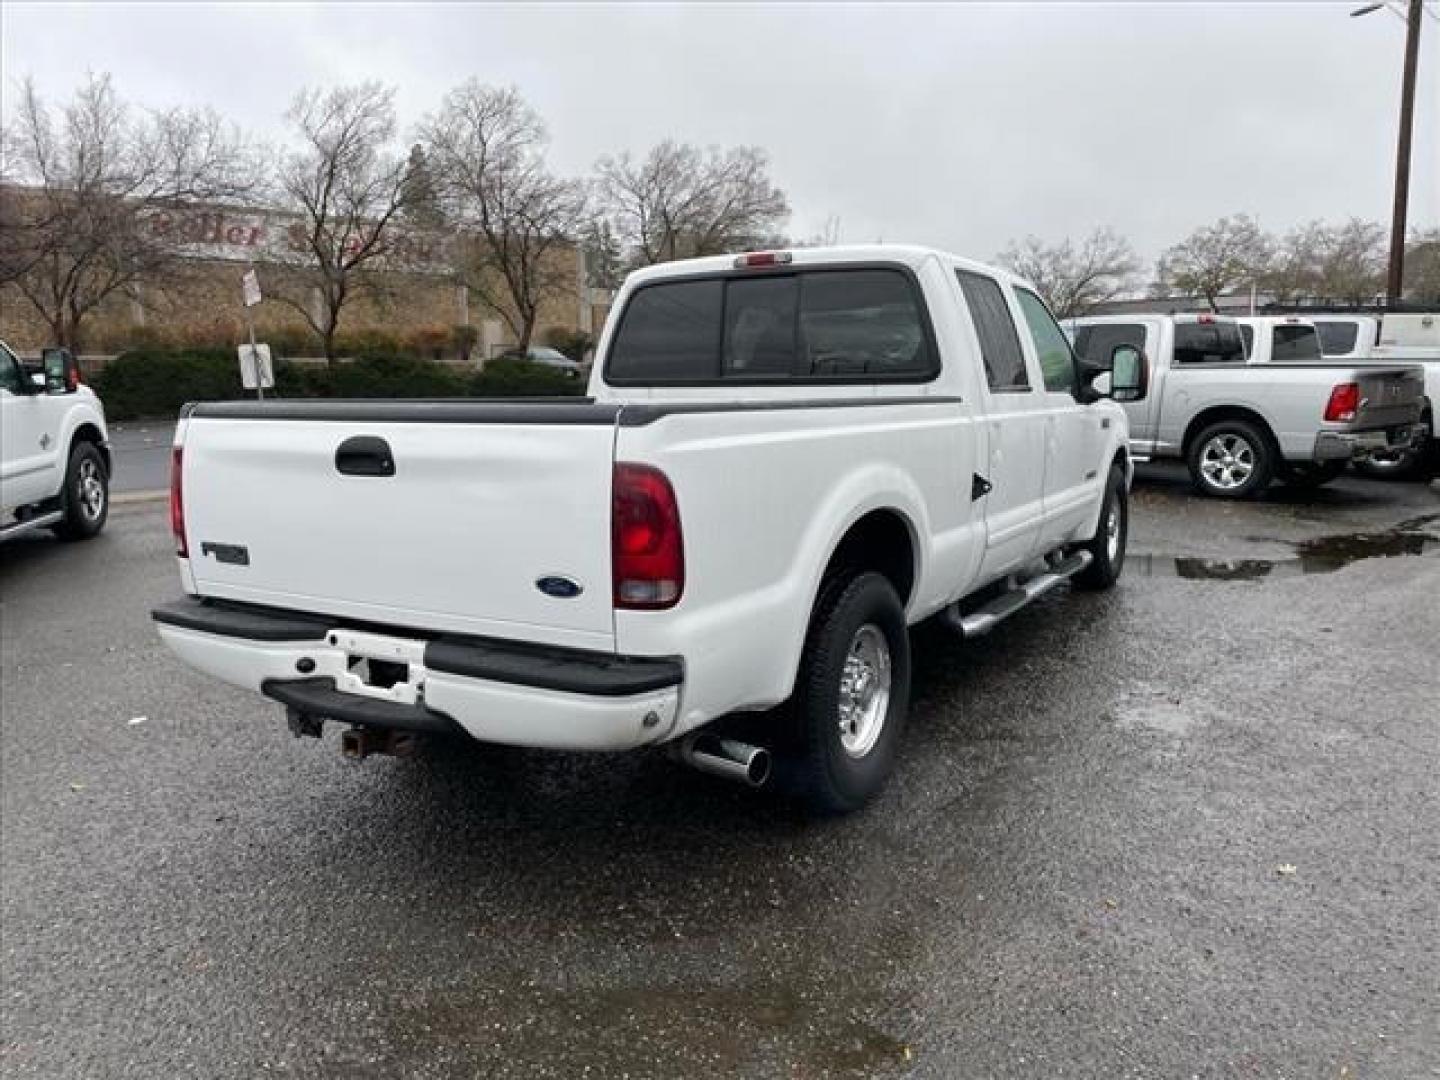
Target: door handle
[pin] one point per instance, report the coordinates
(365, 455)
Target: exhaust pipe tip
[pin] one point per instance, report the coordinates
(729, 759)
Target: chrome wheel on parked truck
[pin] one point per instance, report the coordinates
(1231, 460)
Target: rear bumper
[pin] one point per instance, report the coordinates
(1343, 445)
(495, 691)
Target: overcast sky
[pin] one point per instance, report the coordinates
(959, 126)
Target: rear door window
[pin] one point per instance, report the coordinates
(1295, 344)
(1337, 338)
(843, 325)
(995, 326)
(1208, 343)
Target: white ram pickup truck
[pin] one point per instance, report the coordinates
(1410, 337)
(785, 460)
(55, 458)
(1238, 425)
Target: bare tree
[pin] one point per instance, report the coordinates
(347, 185)
(1215, 258)
(1353, 261)
(1294, 267)
(1075, 278)
(80, 187)
(1422, 266)
(680, 201)
(1343, 263)
(486, 150)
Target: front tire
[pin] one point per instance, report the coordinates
(1107, 546)
(1232, 459)
(85, 499)
(852, 694)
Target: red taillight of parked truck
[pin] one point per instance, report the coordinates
(1343, 404)
(647, 548)
(177, 501)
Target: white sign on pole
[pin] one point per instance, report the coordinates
(256, 371)
(250, 285)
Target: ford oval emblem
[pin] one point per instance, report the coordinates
(562, 588)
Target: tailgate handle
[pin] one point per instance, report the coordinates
(365, 455)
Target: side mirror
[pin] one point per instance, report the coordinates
(1129, 373)
(62, 373)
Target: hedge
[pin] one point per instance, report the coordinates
(156, 383)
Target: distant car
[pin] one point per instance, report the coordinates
(548, 357)
(54, 455)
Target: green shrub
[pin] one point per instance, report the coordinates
(521, 378)
(157, 382)
(393, 377)
(575, 344)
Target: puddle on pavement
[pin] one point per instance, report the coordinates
(1322, 555)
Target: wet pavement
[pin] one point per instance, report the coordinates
(141, 453)
(1190, 827)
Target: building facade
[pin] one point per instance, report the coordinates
(415, 295)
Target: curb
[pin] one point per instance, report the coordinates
(127, 498)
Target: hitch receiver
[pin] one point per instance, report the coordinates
(359, 742)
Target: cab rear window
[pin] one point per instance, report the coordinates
(1295, 344)
(1337, 338)
(844, 325)
(1208, 343)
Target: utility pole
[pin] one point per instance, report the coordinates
(1396, 284)
(1395, 280)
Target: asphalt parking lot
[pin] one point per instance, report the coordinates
(1187, 828)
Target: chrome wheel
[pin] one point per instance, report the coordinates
(90, 489)
(864, 690)
(1112, 532)
(1227, 461)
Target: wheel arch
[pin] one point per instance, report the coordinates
(88, 431)
(1217, 414)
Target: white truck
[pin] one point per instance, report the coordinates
(55, 461)
(785, 460)
(1409, 337)
(1239, 425)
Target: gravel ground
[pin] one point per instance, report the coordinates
(1187, 828)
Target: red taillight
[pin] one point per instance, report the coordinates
(73, 378)
(647, 551)
(762, 258)
(1343, 404)
(177, 501)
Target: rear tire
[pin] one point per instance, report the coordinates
(1232, 459)
(851, 696)
(1107, 546)
(85, 499)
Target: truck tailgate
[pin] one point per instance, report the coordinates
(479, 505)
(1388, 396)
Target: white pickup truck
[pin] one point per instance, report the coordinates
(785, 460)
(54, 451)
(1396, 337)
(1238, 425)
